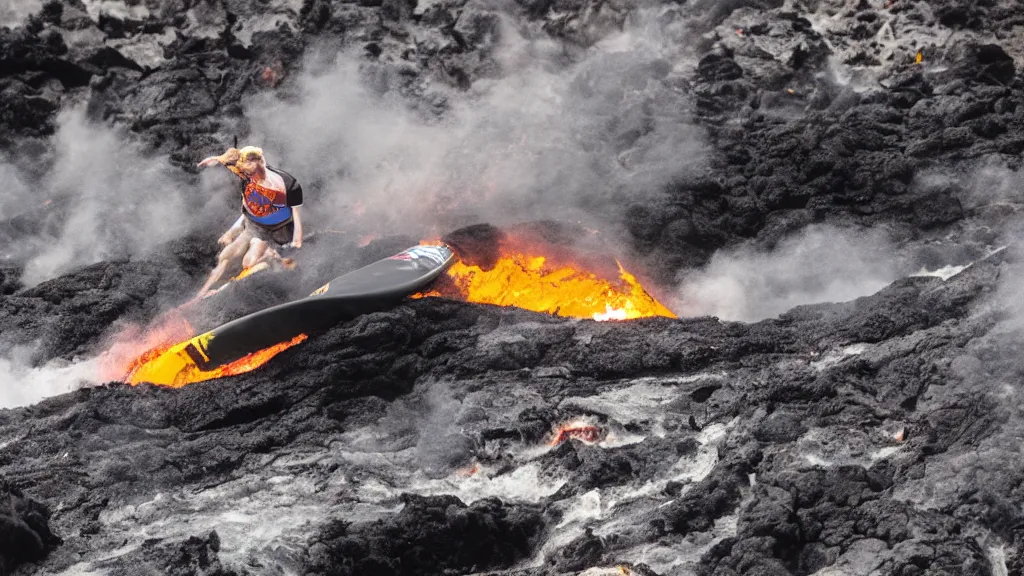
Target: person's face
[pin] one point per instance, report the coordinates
(251, 165)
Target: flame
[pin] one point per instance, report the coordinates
(919, 57)
(530, 281)
(175, 368)
(135, 345)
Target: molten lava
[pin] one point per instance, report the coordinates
(174, 367)
(251, 270)
(580, 431)
(158, 355)
(532, 281)
(134, 346)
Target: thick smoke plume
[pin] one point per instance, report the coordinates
(821, 264)
(22, 385)
(550, 134)
(118, 200)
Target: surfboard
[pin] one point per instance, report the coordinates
(374, 287)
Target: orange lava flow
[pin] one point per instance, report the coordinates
(135, 345)
(248, 363)
(135, 353)
(531, 282)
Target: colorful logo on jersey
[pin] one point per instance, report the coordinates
(262, 202)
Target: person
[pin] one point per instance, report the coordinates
(271, 212)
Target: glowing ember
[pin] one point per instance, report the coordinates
(273, 74)
(531, 282)
(583, 432)
(469, 471)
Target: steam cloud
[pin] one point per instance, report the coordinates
(545, 139)
(14, 12)
(22, 384)
(821, 264)
(120, 201)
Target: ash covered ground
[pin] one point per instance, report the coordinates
(825, 192)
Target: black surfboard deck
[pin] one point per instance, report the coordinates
(374, 287)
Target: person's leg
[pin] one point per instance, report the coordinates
(230, 253)
(273, 258)
(256, 251)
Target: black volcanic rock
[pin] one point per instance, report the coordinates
(439, 532)
(217, 433)
(875, 435)
(25, 534)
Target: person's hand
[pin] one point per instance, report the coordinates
(296, 244)
(228, 157)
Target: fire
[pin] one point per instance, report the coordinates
(174, 367)
(135, 346)
(533, 282)
(158, 355)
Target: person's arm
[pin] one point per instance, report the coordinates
(297, 234)
(228, 159)
(294, 195)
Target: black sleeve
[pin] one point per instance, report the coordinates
(291, 187)
(294, 193)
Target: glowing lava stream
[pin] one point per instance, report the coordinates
(517, 279)
(161, 355)
(529, 282)
(175, 367)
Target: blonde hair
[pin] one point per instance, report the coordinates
(250, 153)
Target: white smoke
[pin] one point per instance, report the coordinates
(820, 264)
(550, 134)
(14, 12)
(22, 385)
(121, 200)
